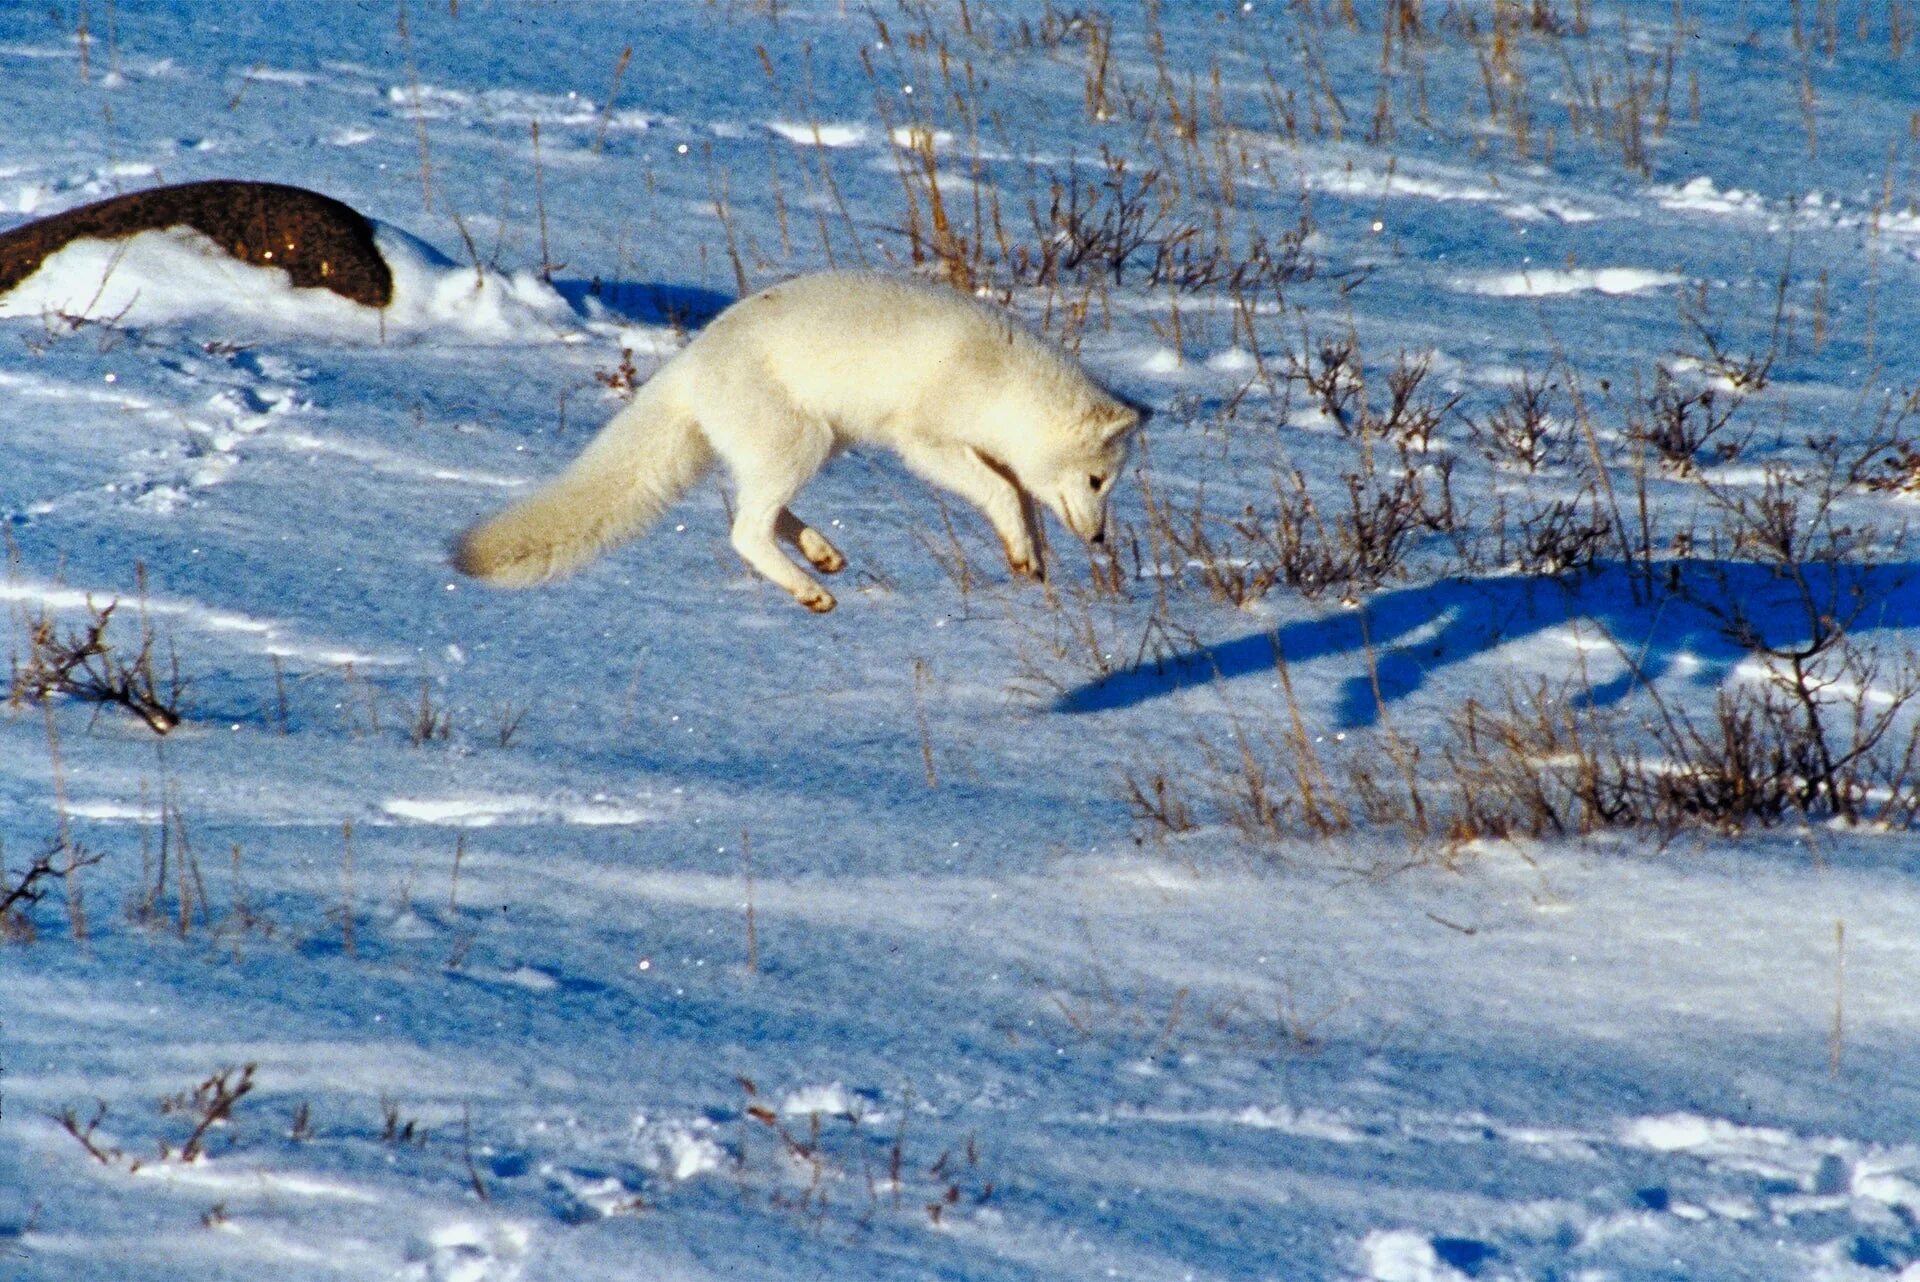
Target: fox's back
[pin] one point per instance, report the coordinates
(865, 349)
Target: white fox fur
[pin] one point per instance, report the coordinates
(780, 382)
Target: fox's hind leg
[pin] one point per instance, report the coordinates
(771, 452)
(813, 545)
(988, 487)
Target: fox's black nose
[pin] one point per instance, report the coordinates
(1100, 535)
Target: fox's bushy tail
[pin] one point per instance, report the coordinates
(629, 475)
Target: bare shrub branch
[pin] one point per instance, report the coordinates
(84, 664)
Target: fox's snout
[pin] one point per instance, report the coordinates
(1089, 523)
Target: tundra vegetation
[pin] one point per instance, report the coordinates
(1477, 769)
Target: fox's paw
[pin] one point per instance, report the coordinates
(1027, 563)
(816, 598)
(824, 556)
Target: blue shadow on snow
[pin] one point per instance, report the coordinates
(1415, 631)
(647, 302)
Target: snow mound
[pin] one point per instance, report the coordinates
(1369, 182)
(819, 135)
(178, 276)
(681, 1152)
(487, 812)
(1702, 195)
(829, 1100)
(1547, 283)
(1401, 1255)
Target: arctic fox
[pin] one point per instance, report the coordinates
(780, 382)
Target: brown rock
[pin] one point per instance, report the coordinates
(315, 239)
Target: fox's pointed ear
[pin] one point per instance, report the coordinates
(1118, 418)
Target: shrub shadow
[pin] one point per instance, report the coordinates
(1416, 631)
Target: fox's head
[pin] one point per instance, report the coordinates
(1076, 477)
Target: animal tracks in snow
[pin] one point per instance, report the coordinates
(172, 426)
(468, 1252)
(1694, 1185)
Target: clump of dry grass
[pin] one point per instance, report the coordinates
(207, 1107)
(823, 1160)
(1536, 760)
(1396, 494)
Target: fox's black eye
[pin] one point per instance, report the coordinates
(1096, 482)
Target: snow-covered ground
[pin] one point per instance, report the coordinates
(646, 926)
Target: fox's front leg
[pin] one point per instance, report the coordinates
(988, 487)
